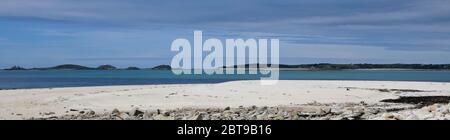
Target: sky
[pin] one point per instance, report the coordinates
(42, 33)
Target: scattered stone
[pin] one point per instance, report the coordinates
(49, 113)
(311, 111)
(124, 116)
(136, 112)
(166, 113)
(90, 113)
(115, 112)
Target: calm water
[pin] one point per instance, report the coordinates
(44, 79)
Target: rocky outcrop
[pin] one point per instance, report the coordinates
(314, 111)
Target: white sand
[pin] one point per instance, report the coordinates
(35, 102)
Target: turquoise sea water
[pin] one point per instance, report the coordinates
(73, 78)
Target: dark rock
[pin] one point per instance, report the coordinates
(136, 112)
(420, 101)
(49, 113)
(115, 111)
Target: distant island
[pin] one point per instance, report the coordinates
(320, 66)
(80, 67)
(162, 67)
(328, 66)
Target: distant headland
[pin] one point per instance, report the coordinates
(319, 66)
(328, 66)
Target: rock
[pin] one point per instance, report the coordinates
(262, 116)
(325, 110)
(429, 116)
(73, 110)
(136, 112)
(337, 110)
(372, 111)
(358, 109)
(315, 110)
(216, 116)
(388, 116)
(261, 109)
(447, 116)
(166, 113)
(115, 112)
(431, 108)
(148, 115)
(201, 116)
(412, 116)
(124, 116)
(162, 117)
(443, 110)
(363, 103)
(49, 113)
(90, 113)
(81, 112)
(227, 108)
(352, 113)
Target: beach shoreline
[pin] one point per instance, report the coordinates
(72, 101)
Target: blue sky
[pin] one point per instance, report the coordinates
(139, 32)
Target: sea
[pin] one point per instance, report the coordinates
(77, 78)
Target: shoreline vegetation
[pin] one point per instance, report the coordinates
(300, 67)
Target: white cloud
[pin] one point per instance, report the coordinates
(359, 52)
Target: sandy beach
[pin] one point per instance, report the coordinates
(47, 102)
